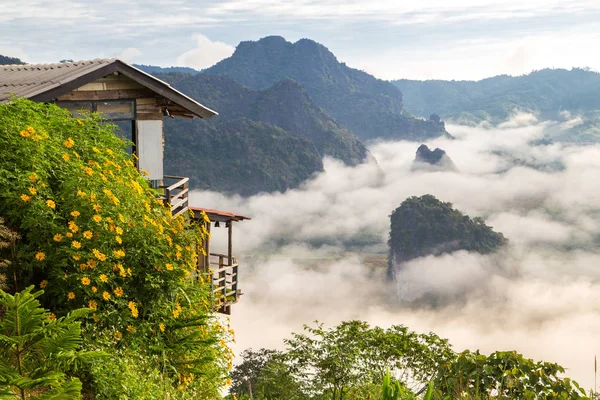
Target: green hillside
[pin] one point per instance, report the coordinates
(424, 225)
(262, 140)
(370, 107)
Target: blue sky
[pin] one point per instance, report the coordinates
(425, 39)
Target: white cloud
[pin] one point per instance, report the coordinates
(205, 54)
(534, 297)
(129, 54)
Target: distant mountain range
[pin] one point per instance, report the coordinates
(4, 60)
(369, 107)
(550, 94)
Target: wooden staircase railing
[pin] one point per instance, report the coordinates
(176, 194)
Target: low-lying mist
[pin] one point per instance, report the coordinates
(303, 255)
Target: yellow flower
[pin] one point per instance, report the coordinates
(106, 295)
(97, 218)
(129, 271)
(69, 234)
(43, 284)
(33, 177)
(88, 171)
(51, 317)
(100, 256)
(25, 133)
(121, 218)
(69, 143)
(85, 281)
(73, 226)
(58, 237)
(71, 295)
(83, 267)
(92, 304)
(94, 289)
(65, 157)
(118, 239)
(118, 335)
(32, 190)
(76, 244)
(175, 313)
(76, 257)
(103, 278)
(91, 263)
(131, 305)
(92, 197)
(118, 292)
(88, 234)
(130, 329)
(97, 207)
(119, 253)
(75, 214)
(81, 194)
(228, 381)
(25, 198)
(119, 230)
(161, 326)
(134, 313)
(40, 256)
(79, 122)
(169, 267)
(51, 204)
(121, 270)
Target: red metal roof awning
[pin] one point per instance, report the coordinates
(217, 215)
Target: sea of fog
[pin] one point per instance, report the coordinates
(302, 253)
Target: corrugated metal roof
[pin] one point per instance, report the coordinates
(29, 80)
(43, 82)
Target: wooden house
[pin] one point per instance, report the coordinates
(126, 94)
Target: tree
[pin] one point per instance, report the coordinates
(36, 349)
(504, 375)
(351, 358)
(263, 374)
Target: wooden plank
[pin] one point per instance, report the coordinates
(179, 204)
(184, 192)
(149, 116)
(146, 100)
(105, 95)
(109, 85)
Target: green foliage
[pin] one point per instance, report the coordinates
(504, 375)
(340, 362)
(369, 107)
(263, 374)
(95, 235)
(36, 349)
(424, 225)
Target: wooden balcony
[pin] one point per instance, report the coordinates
(224, 283)
(176, 190)
(222, 268)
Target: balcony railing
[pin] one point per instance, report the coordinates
(224, 281)
(176, 194)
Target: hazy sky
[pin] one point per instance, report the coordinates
(425, 39)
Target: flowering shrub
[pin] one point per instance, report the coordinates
(95, 235)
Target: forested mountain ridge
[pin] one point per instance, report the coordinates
(302, 134)
(548, 93)
(370, 107)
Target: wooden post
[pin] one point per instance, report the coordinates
(207, 248)
(230, 243)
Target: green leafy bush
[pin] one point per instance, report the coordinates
(93, 234)
(36, 349)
